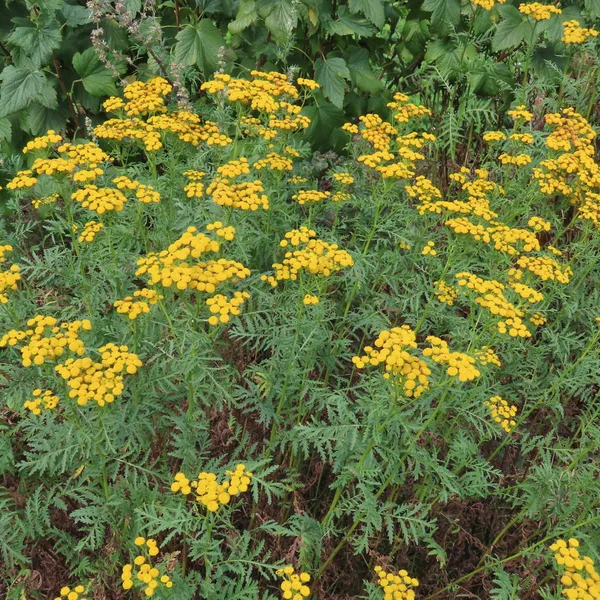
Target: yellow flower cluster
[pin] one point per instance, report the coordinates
(75, 593)
(298, 179)
(310, 299)
(234, 168)
(459, 364)
(227, 233)
(37, 202)
(545, 267)
(43, 142)
(315, 257)
(268, 94)
(100, 381)
(8, 278)
(405, 368)
(520, 112)
(429, 249)
(132, 308)
(224, 307)
(538, 319)
(494, 136)
(539, 224)
(523, 138)
(146, 97)
(22, 179)
(580, 579)
(172, 266)
(573, 172)
(502, 412)
(490, 295)
(505, 239)
(38, 348)
(574, 34)
(293, 586)
(245, 196)
(47, 398)
(519, 160)
(397, 587)
(343, 177)
(90, 229)
(147, 574)
(304, 196)
(146, 194)
(209, 492)
(309, 83)
(194, 189)
(445, 293)
(100, 200)
(539, 12)
(486, 356)
(274, 162)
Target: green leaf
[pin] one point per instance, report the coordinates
(330, 74)
(415, 35)
(349, 24)
(37, 41)
(444, 13)
(39, 119)
(76, 15)
(199, 45)
(360, 71)
(96, 79)
(281, 20)
(593, 6)
(246, 15)
(511, 31)
(19, 88)
(372, 9)
(5, 129)
(324, 119)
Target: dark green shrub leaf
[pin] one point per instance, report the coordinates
(37, 42)
(324, 119)
(40, 118)
(372, 9)
(199, 45)
(76, 15)
(511, 31)
(360, 71)
(443, 14)
(281, 20)
(330, 74)
(5, 129)
(349, 24)
(96, 79)
(19, 88)
(246, 15)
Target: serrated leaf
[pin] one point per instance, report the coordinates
(40, 119)
(76, 15)
(38, 42)
(5, 129)
(360, 70)
(281, 20)
(330, 74)
(246, 15)
(349, 24)
(511, 31)
(415, 35)
(372, 9)
(199, 45)
(325, 118)
(96, 79)
(19, 88)
(444, 13)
